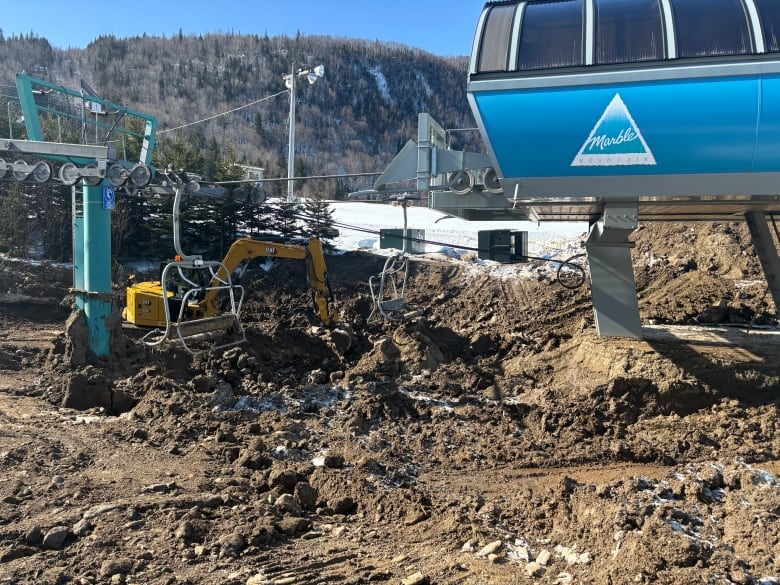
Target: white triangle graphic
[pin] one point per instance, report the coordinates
(614, 141)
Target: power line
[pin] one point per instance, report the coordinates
(223, 113)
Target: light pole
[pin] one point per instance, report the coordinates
(311, 75)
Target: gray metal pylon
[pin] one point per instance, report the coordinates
(613, 289)
(767, 252)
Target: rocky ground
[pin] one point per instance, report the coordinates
(493, 440)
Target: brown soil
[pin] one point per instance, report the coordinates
(495, 440)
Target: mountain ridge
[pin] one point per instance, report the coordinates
(353, 120)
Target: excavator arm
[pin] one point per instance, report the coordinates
(245, 249)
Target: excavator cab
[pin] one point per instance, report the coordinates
(173, 307)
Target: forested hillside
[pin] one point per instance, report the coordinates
(209, 96)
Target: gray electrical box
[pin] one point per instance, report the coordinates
(507, 246)
(394, 238)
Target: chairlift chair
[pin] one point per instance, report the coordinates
(388, 288)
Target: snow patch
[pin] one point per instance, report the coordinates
(381, 82)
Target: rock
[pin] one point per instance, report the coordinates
(306, 495)
(34, 536)
(341, 337)
(99, 510)
(292, 525)
(334, 461)
(338, 531)
(234, 543)
(262, 535)
(543, 558)
(522, 550)
(534, 569)
(370, 465)
(82, 528)
(489, 549)
(159, 488)
(415, 579)
(415, 516)
(345, 505)
(318, 377)
(184, 531)
(258, 579)
(254, 456)
(285, 479)
(55, 538)
(140, 434)
(288, 504)
(573, 557)
(111, 567)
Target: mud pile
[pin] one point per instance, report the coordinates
(496, 439)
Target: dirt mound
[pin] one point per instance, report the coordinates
(496, 439)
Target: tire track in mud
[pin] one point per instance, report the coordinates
(329, 566)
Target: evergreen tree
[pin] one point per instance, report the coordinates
(317, 216)
(284, 217)
(56, 221)
(17, 219)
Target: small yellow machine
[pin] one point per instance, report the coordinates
(145, 305)
(196, 302)
(189, 307)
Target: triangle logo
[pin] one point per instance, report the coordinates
(614, 141)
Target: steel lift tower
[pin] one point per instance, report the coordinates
(79, 133)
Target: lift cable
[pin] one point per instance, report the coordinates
(573, 278)
(222, 113)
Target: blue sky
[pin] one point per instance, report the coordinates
(442, 27)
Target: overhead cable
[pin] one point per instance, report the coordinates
(222, 113)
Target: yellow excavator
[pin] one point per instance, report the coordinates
(145, 305)
(196, 302)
